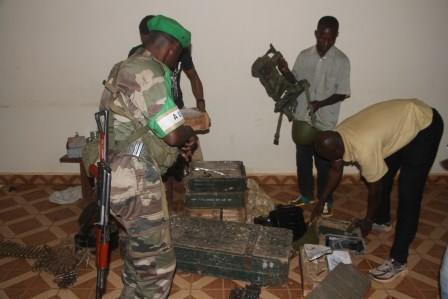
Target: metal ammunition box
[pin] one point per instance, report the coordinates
(337, 226)
(231, 250)
(216, 176)
(212, 200)
(233, 215)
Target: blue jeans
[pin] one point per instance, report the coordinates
(444, 276)
(304, 163)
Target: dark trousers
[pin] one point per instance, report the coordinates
(414, 162)
(304, 162)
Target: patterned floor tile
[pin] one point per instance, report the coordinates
(26, 216)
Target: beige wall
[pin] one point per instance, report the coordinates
(54, 55)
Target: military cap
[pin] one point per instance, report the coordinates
(170, 27)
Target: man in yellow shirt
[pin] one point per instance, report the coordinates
(386, 137)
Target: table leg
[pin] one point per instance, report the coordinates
(86, 183)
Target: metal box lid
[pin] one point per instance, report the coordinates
(216, 176)
(232, 237)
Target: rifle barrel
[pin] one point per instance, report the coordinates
(103, 198)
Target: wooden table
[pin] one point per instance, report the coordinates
(87, 183)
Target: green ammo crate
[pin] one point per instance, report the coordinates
(231, 250)
(216, 176)
(214, 200)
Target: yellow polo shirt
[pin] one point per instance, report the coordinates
(380, 130)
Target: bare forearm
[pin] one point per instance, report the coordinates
(316, 105)
(179, 136)
(196, 83)
(334, 176)
(197, 89)
(333, 99)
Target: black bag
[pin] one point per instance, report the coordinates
(285, 216)
(86, 238)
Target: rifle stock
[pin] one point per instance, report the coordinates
(103, 198)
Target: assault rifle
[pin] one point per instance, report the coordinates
(103, 198)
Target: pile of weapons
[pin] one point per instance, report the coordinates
(63, 261)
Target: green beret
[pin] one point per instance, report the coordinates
(170, 27)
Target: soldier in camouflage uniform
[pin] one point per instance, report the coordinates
(138, 199)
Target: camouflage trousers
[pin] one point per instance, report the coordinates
(138, 202)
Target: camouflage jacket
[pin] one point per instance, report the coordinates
(146, 84)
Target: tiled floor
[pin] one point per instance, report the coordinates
(28, 217)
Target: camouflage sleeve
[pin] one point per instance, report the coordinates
(149, 88)
(168, 117)
(106, 97)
